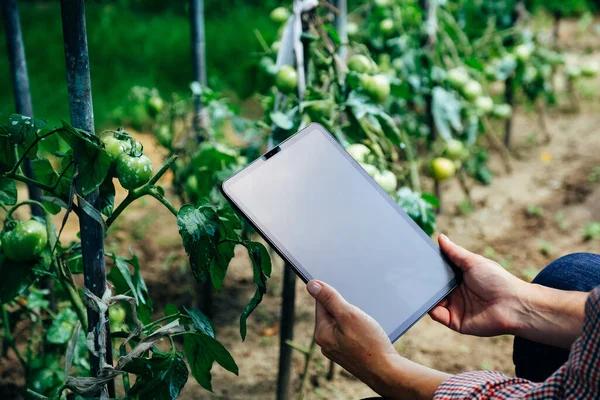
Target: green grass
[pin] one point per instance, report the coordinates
(130, 48)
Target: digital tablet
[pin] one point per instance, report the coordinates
(323, 213)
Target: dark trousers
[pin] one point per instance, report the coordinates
(575, 272)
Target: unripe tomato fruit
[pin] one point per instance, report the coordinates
(280, 15)
(352, 29)
(484, 104)
(26, 241)
(387, 180)
(472, 90)
(454, 149)
(502, 111)
(442, 168)
(191, 184)
(371, 169)
(286, 79)
(276, 46)
(132, 171)
(358, 151)
(115, 147)
(383, 3)
(116, 315)
(155, 105)
(458, 78)
(163, 135)
(523, 52)
(360, 64)
(387, 27)
(376, 86)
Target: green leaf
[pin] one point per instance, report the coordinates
(16, 278)
(260, 256)
(201, 351)
(8, 192)
(158, 378)
(7, 154)
(260, 280)
(446, 109)
(171, 309)
(132, 284)
(22, 131)
(333, 34)
(419, 209)
(107, 196)
(93, 162)
(62, 327)
(199, 230)
(201, 321)
(220, 264)
(282, 120)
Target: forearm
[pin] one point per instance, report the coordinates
(550, 316)
(400, 378)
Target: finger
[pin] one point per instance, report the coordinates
(440, 314)
(322, 317)
(328, 297)
(460, 256)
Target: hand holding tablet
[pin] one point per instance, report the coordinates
(330, 220)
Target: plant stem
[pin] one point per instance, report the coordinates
(412, 162)
(64, 277)
(31, 146)
(24, 202)
(166, 317)
(307, 359)
(35, 395)
(10, 340)
(147, 189)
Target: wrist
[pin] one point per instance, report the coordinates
(525, 299)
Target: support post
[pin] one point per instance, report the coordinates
(79, 90)
(286, 333)
(198, 59)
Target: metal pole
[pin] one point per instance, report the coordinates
(286, 323)
(20, 80)
(81, 112)
(198, 58)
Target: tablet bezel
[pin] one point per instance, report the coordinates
(290, 260)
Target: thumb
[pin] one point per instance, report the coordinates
(460, 256)
(327, 297)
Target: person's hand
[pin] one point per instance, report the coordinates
(487, 302)
(348, 336)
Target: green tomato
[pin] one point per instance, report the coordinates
(484, 104)
(457, 78)
(163, 135)
(589, 70)
(280, 15)
(472, 90)
(139, 116)
(359, 64)
(358, 151)
(287, 79)
(116, 315)
(26, 241)
(502, 111)
(267, 66)
(442, 169)
(523, 52)
(384, 3)
(352, 30)
(454, 149)
(371, 169)
(276, 46)
(133, 172)
(398, 64)
(320, 109)
(387, 180)
(155, 105)
(376, 86)
(490, 72)
(115, 147)
(191, 184)
(387, 27)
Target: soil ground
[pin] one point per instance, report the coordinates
(523, 220)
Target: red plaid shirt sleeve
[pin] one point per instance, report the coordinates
(578, 378)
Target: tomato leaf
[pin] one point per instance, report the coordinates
(132, 284)
(93, 162)
(446, 109)
(199, 230)
(7, 154)
(333, 34)
(260, 280)
(62, 327)
(16, 278)
(107, 196)
(158, 378)
(8, 192)
(201, 321)
(201, 351)
(22, 131)
(420, 208)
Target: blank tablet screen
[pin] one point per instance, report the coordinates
(332, 222)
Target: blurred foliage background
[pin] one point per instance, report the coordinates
(146, 43)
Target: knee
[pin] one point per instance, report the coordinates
(579, 271)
